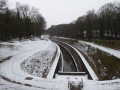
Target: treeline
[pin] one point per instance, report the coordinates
(64, 30)
(22, 22)
(103, 24)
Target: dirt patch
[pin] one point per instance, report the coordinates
(5, 59)
(28, 85)
(28, 78)
(7, 79)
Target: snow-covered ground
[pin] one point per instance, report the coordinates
(105, 49)
(63, 38)
(26, 51)
(102, 85)
(16, 72)
(5, 85)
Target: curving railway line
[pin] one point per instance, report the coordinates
(77, 63)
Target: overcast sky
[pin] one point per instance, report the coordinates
(62, 11)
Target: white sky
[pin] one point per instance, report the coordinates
(63, 11)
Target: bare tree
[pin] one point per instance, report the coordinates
(3, 6)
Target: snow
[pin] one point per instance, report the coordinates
(75, 80)
(54, 65)
(10, 49)
(4, 85)
(102, 85)
(105, 49)
(39, 64)
(64, 38)
(29, 49)
(71, 77)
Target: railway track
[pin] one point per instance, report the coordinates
(80, 67)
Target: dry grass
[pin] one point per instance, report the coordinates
(114, 44)
(106, 66)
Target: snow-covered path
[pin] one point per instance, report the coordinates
(105, 49)
(12, 70)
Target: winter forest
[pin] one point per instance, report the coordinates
(22, 22)
(101, 24)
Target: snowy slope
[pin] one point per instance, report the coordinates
(105, 49)
(11, 69)
(102, 85)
